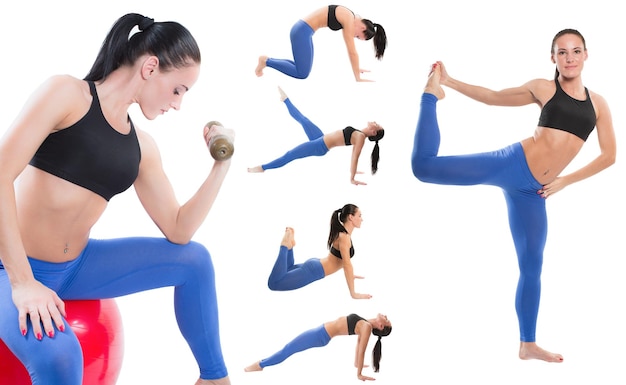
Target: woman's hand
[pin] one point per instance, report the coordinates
(361, 72)
(359, 295)
(215, 130)
(444, 78)
(552, 188)
(365, 378)
(41, 305)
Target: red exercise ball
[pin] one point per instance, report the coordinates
(98, 326)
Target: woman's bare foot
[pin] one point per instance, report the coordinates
(255, 169)
(221, 381)
(259, 68)
(283, 95)
(432, 85)
(530, 351)
(288, 239)
(256, 367)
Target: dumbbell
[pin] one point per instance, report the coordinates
(220, 146)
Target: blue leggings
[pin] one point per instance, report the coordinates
(113, 268)
(507, 169)
(288, 276)
(314, 147)
(313, 338)
(302, 47)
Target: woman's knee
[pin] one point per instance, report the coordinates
(57, 361)
(421, 170)
(197, 257)
(302, 73)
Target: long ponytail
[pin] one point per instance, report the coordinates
(378, 348)
(337, 219)
(376, 31)
(172, 43)
(375, 157)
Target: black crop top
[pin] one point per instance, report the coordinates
(333, 23)
(563, 112)
(347, 134)
(352, 320)
(337, 253)
(91, 153)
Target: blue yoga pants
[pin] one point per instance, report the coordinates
(313, 338)
(314, 147)
(113, 268)
(505, 168)
(286, 275)
(302, 48)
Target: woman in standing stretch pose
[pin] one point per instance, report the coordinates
(528, 171)
(352, 324)
(286, 275)
(335, 17)
(74, 147)
(319, 144)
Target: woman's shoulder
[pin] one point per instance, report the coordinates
(64, 89)
(65, 82)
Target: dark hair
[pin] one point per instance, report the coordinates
(566, 31)
(169, 41)
(377, 351)
(376, 31)
(337, 220)
(375, 157)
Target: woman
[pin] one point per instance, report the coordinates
(352, 324)
(319, 143)
(74, 147)
(286, 275)
(528, 171)
(335, 17)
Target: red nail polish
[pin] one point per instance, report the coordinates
(24, 332)
(50, 334)
(39, 336)
(62, 328)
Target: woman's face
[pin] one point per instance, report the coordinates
(381, 322)
(359, 29)
(569, 55)
(165, 90)
(371, 129)
(356, 218)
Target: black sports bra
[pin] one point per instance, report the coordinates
(352, 320)
(333, 23)
(91, 153)
(347, 135)
(337, 253)
(563, 112)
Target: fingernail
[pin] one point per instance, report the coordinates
(50, 334)
(62, 328)
(23, 332)
(39, 336)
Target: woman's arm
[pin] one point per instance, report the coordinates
(177, 222)
(344, 248)
(363, 330)
(511, 97)
(358, 141)
(608, 150)
(51, 107)
(346, 18)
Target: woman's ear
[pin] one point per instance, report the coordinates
(149, 66)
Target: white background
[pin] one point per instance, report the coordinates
(438, 260)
